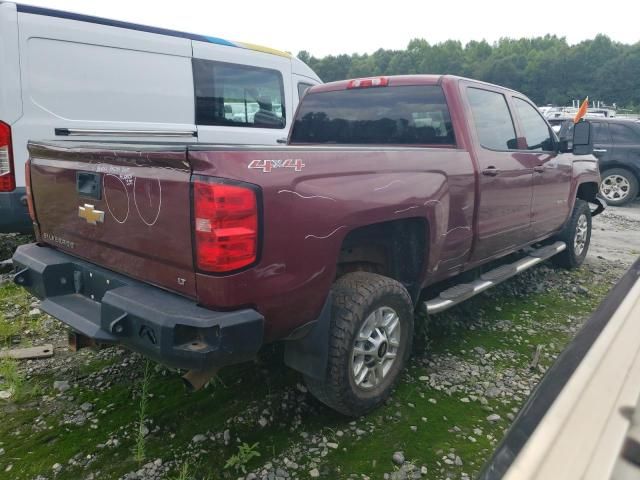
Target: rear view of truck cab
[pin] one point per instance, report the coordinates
(13, 201)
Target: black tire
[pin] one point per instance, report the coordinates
(628, 194)
(355, 297)
(572, 256)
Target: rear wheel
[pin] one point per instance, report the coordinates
(618, 186)
(576, 235)
(370, 340)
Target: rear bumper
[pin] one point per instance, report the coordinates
(14, 213)
(112, 308)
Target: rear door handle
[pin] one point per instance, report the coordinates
(281, 140)
(538, 168)
(491, 171)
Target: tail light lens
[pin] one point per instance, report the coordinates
(226, 225)
(7, 175)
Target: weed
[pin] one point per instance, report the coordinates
(7, 331)
(184, 473)
(245, 453)
(11, 379)
(142, 414)
(216, 383)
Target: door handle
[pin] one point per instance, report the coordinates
(491, 171)
(538, 168)
(599, 150)
(281, 140)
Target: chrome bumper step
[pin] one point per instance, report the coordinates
(459, 293)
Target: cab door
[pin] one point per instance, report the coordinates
(551, 170)
(505, 178)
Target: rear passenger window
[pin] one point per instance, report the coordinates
(622, 134)
(238, 95)
(492, 119)
(536, 130)
(404, 115)
(302, 89)
(600, 132)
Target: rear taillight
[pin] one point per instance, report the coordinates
(27, 178)
(368, 82)
(226, 225)
(7, 175)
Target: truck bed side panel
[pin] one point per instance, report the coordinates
(309, 212)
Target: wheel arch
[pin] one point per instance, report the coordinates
(381, 247)
(635, 170)
(384, 248)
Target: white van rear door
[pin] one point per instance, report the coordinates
(242, 96)
(102, 82)
(10, 98)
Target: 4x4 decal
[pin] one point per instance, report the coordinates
(268, 165)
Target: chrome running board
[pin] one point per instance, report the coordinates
(459, 293)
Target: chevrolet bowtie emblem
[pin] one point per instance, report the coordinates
(90, 215)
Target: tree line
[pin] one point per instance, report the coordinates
(547, 69)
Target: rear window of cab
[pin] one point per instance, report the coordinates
(402, 115)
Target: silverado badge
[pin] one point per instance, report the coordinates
(91, 215)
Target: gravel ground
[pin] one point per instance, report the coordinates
(491, 381)
(616, 234)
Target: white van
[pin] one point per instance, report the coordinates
(70, 76)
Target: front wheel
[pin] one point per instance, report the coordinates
(576, 235)
(370, 340)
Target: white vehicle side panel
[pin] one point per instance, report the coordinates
(80, 75)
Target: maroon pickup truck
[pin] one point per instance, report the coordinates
(196, 256)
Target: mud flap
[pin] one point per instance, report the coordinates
(600, 204)
(310, 353)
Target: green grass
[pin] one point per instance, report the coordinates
(139, 452)
(11, 379)
(8, 331)
(34, 435)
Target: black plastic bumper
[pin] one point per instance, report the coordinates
(112, 308)
(14, 213)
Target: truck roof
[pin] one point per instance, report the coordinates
(400, 80)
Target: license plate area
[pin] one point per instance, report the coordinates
(89, 185)
(93, 284)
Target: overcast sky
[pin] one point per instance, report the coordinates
(362, 26)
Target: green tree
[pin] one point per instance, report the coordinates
(547, 69)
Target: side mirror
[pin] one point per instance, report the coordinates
(582, 138)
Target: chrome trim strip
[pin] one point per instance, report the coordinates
(87, 132)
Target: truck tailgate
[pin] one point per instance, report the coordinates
(125, 208)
